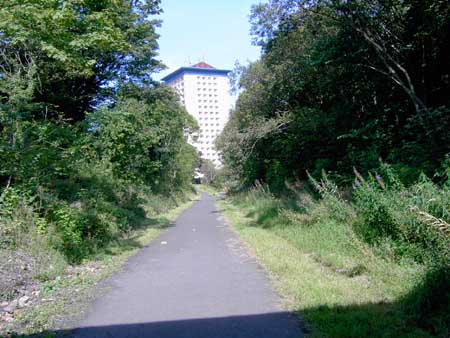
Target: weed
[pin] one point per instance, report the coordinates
(373, 264)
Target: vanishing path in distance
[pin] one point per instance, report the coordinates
(194, 281)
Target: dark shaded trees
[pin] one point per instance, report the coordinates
(359, 79)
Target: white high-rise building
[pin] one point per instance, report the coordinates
(205, 92)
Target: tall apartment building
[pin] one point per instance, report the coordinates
(205, 92)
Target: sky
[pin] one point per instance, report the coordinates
(216, 32)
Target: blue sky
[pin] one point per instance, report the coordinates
(214, 31)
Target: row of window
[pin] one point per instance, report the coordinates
(206, 77)
(207, 83)
(208, 112)
(214, 157)
(208, 154)
(207, 118)
(204, 137)
(207, 124)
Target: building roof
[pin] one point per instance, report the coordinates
(198, 68)
(202, 65)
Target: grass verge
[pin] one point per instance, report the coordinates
(63, 300)
(332, 280)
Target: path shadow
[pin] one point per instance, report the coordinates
(402, 318)
(423, 312)
(271, 325)
(375, 320)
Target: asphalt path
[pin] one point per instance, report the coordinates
(196, 280)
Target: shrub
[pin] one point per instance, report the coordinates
(332, 198)
(415, 218)
(17, 218)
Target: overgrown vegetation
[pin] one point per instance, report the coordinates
(376, 266)
(90, 145)
(343, 85)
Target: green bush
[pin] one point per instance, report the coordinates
(415, 218)
(17, 218)
(332, 199)
(384, 219)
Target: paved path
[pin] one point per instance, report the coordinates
(194, 281)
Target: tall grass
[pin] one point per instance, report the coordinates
(407, 222)
(393, 237)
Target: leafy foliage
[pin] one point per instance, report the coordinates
(87, 137)
(359, 79)
(79, 47)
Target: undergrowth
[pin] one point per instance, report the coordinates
(72, 222)
(373, 261)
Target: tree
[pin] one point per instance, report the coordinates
(359, 81)
(81, 47)
(144, 137)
